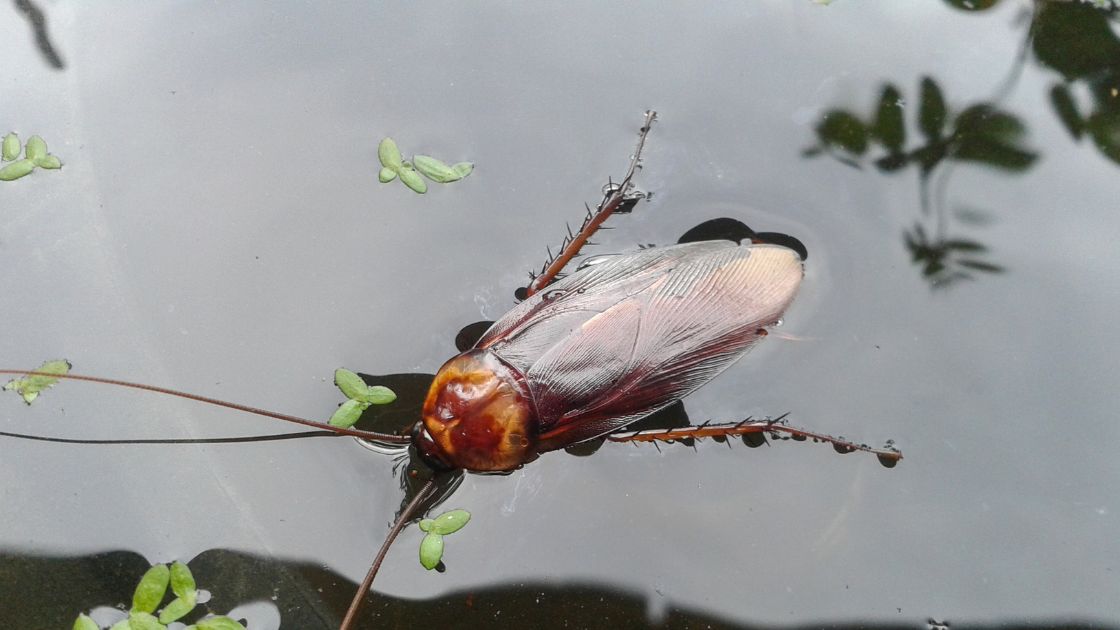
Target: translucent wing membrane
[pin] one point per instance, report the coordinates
(632, 333)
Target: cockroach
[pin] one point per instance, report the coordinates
(586, 356)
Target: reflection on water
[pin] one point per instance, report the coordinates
(1075, 39)
(310, 597)
(38, 22)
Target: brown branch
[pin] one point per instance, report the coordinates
(613, 199)
(402, 520)
(888, 455)
(369, 435)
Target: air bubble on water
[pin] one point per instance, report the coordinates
(780, 321)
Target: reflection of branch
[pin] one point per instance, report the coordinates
(39, 25)
(889, 456)
(615, 199)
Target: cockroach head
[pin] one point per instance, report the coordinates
(478, 416)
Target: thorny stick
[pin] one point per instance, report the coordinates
(750, 425)
(405, 516)
(369, 435)
(613, 200)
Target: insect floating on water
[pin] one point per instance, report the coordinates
(588, 355)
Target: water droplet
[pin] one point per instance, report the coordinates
(887, 461)
(779, 322)
(754, 440)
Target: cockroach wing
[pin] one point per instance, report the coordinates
(624, 337)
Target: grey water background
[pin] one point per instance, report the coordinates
(218, 227)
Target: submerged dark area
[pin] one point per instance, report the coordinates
(949, 171)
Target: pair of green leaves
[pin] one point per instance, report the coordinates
(360, 395)
(431, 548)
(393, 166)
(150, 593)
(32, 385)
(34, 155)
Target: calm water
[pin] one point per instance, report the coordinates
(218, 227)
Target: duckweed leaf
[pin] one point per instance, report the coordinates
(48, 161)
(434, 169)
(378, 395)
(35, 149)
(10, 152)
(84, 622)
(182, 580)
(151, 589)
(462, 169)
(178, 608)
(426, 524)
(412, 179)
(431, 550)
(348, 413)
(121, 625)
(389, 154)
(386, 175)
(144, 621)
(16, 170)
(217, 623)
(32, 385)
(351, 384)
(450, 522)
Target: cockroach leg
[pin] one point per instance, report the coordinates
(615, 198)
(888, 455)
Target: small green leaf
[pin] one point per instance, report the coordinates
(219, 623)
(386, 175)
(11, 152)
(31, 386)
(378, 395)
(182, 580)
(450, 522)
(431, 550)
(120, 625)
(351, 384)
(888, 127)
(179, 607)
(151, 589)
(16, 170)
(931, 110)
(389, 154)
(35, 149)
(348, 413)
(435, 170)
(144, 621)
(84, 622)
(48, 162)
(412, 179)
(844, 130)
(462, 169)
(426, 524)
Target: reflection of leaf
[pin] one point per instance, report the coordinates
(842, 129)
(1075, 39)
(888, 127)
(931, 110)
(980, 265)
(1105, 129)
(987, 135)
(1067, 110)
(892, 162)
